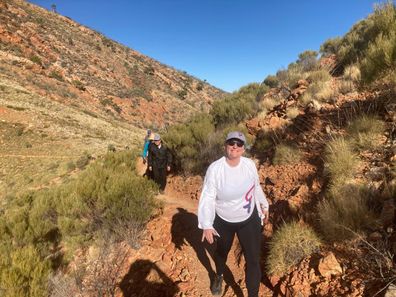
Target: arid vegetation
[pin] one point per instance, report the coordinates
(322, 132)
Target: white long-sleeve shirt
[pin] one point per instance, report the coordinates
(230, 192)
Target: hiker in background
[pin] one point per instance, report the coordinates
(233, 202)
(148, 139)
(159, 161)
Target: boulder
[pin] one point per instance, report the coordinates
(391, 291)
(329, 266)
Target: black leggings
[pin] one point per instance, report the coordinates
(249, 235)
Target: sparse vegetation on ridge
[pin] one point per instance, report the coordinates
(108, 195)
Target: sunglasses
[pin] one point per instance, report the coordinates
(233, 142)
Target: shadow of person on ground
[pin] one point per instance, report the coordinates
(145, 279)
(185, 231)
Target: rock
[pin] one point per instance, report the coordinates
(329, 265)
(377, 173)
(184, 275)
(391, 291)
(276, 122)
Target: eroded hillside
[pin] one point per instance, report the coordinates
(68, 92)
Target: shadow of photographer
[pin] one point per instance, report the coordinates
(145, 279)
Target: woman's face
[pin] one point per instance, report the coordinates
(234, 148)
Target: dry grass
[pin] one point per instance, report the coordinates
(292, 112)
(352, 73)
(286, 155)
(341, 162)
(320, 92)
(345, 212)
(268, 103)
(346, 86)
(41, 138)
(319, 76)
(366, 132)
(289, 245)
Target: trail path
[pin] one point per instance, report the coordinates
(173, 261)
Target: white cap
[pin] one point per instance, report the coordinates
(236, 135)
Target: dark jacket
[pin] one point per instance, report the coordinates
(159, 157)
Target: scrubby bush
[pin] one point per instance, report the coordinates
(341, 162)
(286, 155)
(236, 107)
(36, 59)
(57, 75)
(186, 141)
(26, 275)
(263, 89)
(371, 41)
(330, 46)
(365, 132)
(79, 85)
(308, 60)
(272, 81)
(345, 212)
(83, 161)
(33, 226)
(289, 245)
(263, 142)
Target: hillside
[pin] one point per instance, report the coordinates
(67, 92)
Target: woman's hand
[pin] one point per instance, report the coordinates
(208, 234)
(266, 216)
(265, 213)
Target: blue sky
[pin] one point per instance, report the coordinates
(230, 43)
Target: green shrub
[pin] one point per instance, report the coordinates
(27, 274)
(308, 60)
(289, 245)
(57, 75)
(236, 107)
(33, 226)
(272, 81)
(286, 155)
(200, 86)
(371, 41)
(341, 162)
(330, 46)
(345, 212)
(262, 143)
(107, 192)
(83, 161)
(182, 94)
(187, 142)
(79, 85)
(366, 132)
(263, 89)
(36, 59)
(70, 166)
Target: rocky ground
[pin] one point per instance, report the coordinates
(172, 261)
